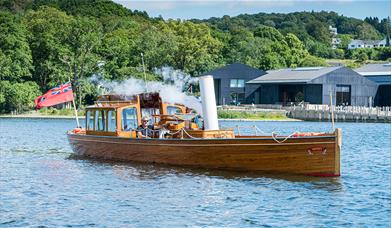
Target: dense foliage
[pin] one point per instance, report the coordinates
(47, 42)
(312, 28)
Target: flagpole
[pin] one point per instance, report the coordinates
(74, 107)
(145, 76)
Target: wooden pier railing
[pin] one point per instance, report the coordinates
(341, 113)
(322, 112)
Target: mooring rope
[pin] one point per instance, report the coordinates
(183, 131)
(274, 134)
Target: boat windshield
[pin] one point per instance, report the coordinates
(172, 110)
(150, 112)
(129, 119)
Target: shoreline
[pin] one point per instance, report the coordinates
(35, 116)
(27, 116)
(262, 120)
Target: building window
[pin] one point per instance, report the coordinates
(236, 83)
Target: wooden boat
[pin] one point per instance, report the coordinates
(111, 133)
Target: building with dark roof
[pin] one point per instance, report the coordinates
(230, 82)
(312, 85)
(381, 75)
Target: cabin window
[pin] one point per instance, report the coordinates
(129, 119)
(111, 120)
(172, 110)
(90, 120)
(100, 121)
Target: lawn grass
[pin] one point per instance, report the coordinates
(226, 114)
(59, 112)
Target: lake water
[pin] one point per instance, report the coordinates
(41, 185)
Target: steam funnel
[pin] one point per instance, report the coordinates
(208, 99)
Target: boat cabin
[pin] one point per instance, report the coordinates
(120, 115)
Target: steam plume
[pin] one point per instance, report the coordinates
(171, 89)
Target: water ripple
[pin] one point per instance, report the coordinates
(43, 185)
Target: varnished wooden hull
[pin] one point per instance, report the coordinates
(318, 155)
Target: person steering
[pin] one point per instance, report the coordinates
(145, 130)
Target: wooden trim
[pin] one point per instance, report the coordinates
(203, 145)
(220, 139)
(338, 144)
(101, 133)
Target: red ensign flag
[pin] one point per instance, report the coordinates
(57, 95)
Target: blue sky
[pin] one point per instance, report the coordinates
(201, 9)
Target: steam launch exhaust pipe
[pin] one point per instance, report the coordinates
(208, 100)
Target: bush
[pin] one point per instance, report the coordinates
(17, 97)
(60, 112)
(227, 114)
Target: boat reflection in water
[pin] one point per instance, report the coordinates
(180, 137)
(129, 170)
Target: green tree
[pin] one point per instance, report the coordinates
(319, 32)
(15, 53)
(297, 50)
(48, 29)
(269, 33)
(345, 40)
(118, 51)
(197, 50)
(312, 61)
(80, 55)
(367, 32)
(17, 97)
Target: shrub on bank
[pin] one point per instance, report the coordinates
(59, 112)
(227, 114)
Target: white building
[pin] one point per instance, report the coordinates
(333, 30)
(335, 42)
(367, 44)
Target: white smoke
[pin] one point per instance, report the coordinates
(171, 89)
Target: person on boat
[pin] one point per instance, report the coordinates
(145, 130)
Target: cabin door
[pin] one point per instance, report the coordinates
(343, 95)
(217, 91)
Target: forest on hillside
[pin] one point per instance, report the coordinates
(44, 43)
(312, 28)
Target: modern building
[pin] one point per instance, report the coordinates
(230, 82)
(367, 43)
(312, 85)
(381, 75)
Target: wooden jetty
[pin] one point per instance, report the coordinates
(341, 113)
